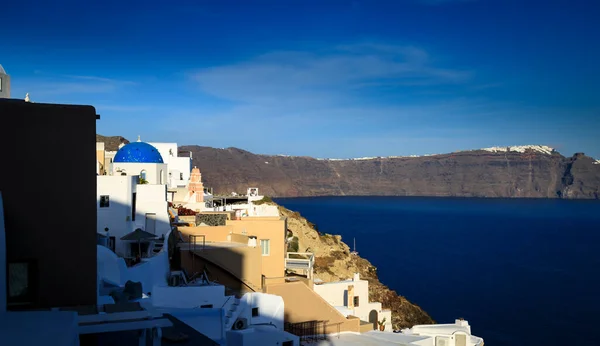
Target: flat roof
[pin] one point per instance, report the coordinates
(371, 338)
(128, 338)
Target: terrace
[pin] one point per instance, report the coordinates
(300, 261)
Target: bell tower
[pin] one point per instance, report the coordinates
(4, 84)
(196, 185)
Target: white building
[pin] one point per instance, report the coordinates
(116, 205)
(351, 297)
(179, 168)
(133, 197)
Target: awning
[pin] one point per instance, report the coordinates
(138, 235)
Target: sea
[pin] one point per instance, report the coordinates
(521, 271)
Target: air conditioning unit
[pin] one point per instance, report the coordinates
(240, 323)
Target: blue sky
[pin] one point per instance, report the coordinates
(318, 78)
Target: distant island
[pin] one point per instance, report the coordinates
(532, 171)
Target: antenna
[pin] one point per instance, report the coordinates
(354, 252)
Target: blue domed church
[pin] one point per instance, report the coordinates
(143, 159)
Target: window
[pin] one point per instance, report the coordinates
(254, 312)
(21, 282)
(356, 301)
(104, 201)
(264, 245)
(0, 83)
(180, 176)
(133, 203)
(112, 243)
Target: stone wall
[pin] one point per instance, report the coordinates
(211, 219)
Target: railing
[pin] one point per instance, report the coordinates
(192, 240)
(299, 260)
(311, 331)
(226, 302)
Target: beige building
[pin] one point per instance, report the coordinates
(100, 159)
(250, 254)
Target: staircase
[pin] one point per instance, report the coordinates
(158, 245)
(232, 311)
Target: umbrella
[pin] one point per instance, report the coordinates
(138, 235)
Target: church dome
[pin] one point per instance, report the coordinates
(138, 152)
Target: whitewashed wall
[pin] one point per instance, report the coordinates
(153, 199)
(188, 297)
(270, 308)
(117, 217)
(156, 173)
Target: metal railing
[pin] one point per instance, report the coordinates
(193, 241)
(311, 331)
(300, 261)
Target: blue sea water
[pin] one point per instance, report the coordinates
(521, 271)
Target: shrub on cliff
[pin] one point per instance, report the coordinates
(293, 245)
(265, 199)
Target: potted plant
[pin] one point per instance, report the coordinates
(382, 324)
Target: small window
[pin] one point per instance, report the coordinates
(104, 201)
(207, 306)
(180, 176)
(254, 312)
(21, 282)
(264, 245)
(356, 301)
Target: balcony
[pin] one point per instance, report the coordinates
(303, 261)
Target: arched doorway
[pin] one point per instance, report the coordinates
(374, 318)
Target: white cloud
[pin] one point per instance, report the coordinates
(47, 87)
(324, 78)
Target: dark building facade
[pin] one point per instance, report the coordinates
(48, 184)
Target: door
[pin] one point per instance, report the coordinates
(151, 223)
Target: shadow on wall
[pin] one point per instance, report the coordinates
(219, 262)
(211, 310)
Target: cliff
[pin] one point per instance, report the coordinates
(111, 143)
(333, 262)
(477, 173)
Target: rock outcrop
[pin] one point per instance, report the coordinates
(333, 261)
(111, 143)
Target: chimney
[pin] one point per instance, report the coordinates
(356, 277)
(252, 241)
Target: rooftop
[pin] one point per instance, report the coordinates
(371, 338)
(179, 334)
(139, 152)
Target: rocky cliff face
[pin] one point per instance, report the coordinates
(111, 143)
(478, 173)
(333, 262)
